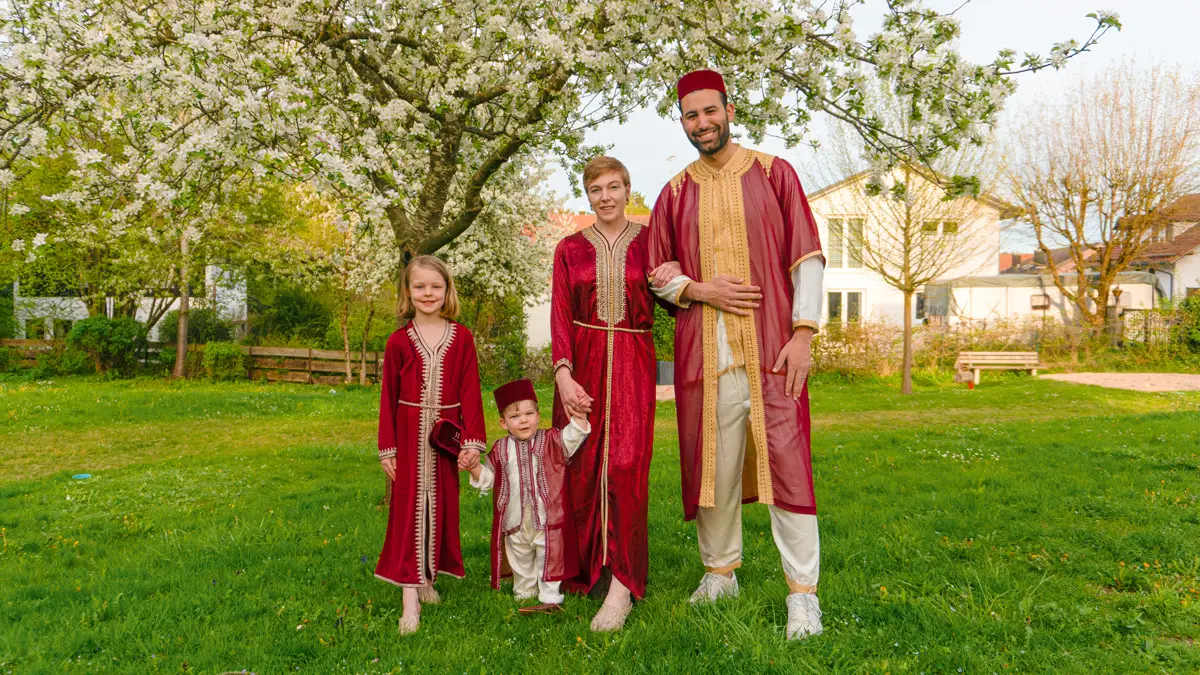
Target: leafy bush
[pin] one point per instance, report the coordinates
(538, 365)
(61, 360)
(112, 344)
(193, 365)
(289, 313)
(499, 328)
(204, 326)
(224, 362)
(9, 359)
(1188, 328)
(664, 334)
(8, 320)
(383, 324)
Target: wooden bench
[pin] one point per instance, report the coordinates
(969, 364)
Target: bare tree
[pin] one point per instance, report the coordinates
(1092, 171)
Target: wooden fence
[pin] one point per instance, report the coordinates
(277, 364)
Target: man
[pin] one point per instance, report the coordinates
(747, 305)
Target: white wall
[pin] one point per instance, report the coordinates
(537, 325)
(881, 302)
(1187, 274)
(1016, 303)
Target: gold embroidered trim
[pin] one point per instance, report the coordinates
(431, 397)
(387, 453)
(677, 182)
(717, 187)
(764, 159)
(679, 301)
(806, 324)
(431, 407)
(802, 258)
(561, 363)
(610, 271)
(478, 445)
(615, 329)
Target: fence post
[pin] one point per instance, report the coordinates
(250, 358)
(310, 370)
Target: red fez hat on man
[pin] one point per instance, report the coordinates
(700, 79)
(514, 392)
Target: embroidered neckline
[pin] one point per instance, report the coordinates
(610, 271)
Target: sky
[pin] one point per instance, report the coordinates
(1154, 31)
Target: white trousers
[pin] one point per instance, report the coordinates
(719, 529)
(526, 551)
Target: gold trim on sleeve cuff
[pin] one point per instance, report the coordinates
(563, 363)
(679, 301)
(806, 324)
(477, 445)
(804, 257)
(387, 453)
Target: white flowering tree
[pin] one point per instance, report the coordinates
(407, 112)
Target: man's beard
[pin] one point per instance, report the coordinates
(714, 146)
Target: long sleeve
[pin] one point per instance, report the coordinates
(808, 279)
(801, 228)
(389, 399)
(673, 291)
(562, 327)
(573, 437)
(487, 477)
(471, 399)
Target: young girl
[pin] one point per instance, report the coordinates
(430, 372)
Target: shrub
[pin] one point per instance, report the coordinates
(664, 334)
(499, 328)
(8, 319)
(112, 344)
(290, 314)
(61, 360)
(538, 362)
(204, 326)
(224, 362)
(9, 359)
(193, 364)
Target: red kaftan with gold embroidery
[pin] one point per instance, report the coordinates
(601, 315)
(422, 384)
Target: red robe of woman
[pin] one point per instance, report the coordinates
(758, 199)
(600, 320)
(561, 560)
(422, 384)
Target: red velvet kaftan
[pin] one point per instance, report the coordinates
(601, 315)
(422, 384)
(749, 219)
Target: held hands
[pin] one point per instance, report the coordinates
(726, 293)
(574, 398)
(389, 467)
(468, 460)
(663, 274)
(796, 357)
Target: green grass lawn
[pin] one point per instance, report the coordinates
(1026, 526)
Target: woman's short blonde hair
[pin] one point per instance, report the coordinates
(601, 165)
(449, 308)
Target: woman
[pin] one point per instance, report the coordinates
(601, 315)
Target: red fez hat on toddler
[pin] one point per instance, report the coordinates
(513, 392)
(446, 436)
(700, 79)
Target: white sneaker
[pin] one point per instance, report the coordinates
(713, 587)
(804, 616)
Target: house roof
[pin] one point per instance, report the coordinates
(1170, 251)
(1006, 210)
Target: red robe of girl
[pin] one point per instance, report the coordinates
(561, 558)
(422, 384)
(601, 315)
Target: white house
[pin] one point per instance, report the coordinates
(52, 317)
(846, 216)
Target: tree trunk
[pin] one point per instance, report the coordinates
(362, 366)
(906, 380)
(344, 319)
(181, 342)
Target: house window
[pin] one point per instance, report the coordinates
(1041, 301)
(61, 328)
(845, 243)
(943, 227)
(920, 306)
(844, 306)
